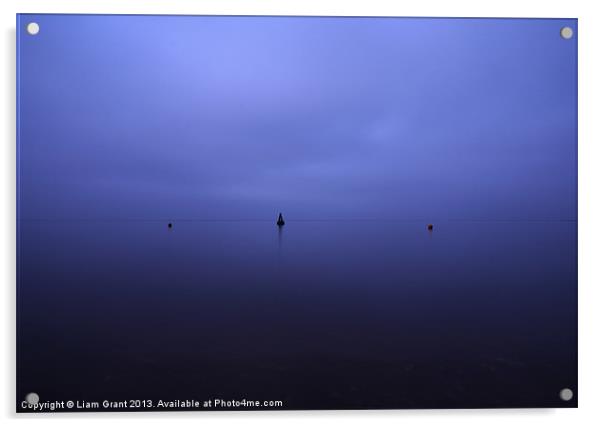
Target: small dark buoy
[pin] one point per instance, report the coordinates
(430, 227)
(280, 221)
(169, 225)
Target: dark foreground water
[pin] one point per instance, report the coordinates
(318, 314)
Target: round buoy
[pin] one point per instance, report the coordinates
(169, 225)
(430, 227)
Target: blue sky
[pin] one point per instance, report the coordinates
(147, 117)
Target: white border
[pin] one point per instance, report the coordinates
(590, 203)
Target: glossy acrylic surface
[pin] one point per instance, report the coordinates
(361, 131)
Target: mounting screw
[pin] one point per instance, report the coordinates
(566, 33)
(566, 394)
(33, 28)
(32, 398)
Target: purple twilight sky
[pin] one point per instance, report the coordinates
(140, 117)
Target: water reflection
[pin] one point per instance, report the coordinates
(202, 312)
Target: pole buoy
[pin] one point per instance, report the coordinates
(280, 221)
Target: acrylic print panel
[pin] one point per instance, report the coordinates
(275, 213)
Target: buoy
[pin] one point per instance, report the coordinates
(280, 221)
(169, 225)
(430, 227)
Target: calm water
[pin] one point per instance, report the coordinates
(318, 314)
